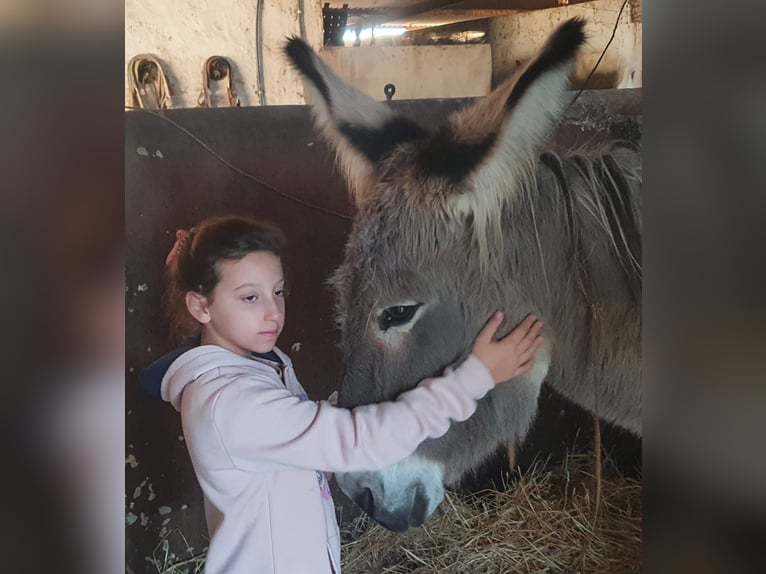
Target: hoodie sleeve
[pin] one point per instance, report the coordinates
(267, 428)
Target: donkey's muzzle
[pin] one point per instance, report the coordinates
(398, 497)
(410, 515)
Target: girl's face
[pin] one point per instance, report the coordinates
(246, 312)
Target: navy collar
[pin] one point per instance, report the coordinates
(270, 356)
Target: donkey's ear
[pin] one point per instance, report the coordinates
(362, 131)
(508, 127)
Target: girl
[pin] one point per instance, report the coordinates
(258, 447)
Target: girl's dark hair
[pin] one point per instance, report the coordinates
(194, 265)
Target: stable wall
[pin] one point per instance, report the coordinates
(182, 34)
(517, 38)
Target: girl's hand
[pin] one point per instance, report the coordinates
(510, 356)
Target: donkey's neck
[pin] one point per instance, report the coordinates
(572, 233)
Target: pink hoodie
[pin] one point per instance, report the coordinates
(256, 444)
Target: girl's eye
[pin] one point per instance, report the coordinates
(280, 292)
(250, 298)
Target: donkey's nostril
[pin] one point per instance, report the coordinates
(366, 501)
(419, 511)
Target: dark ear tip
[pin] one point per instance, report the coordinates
(296, 49)
(572, 31)
(298, 52)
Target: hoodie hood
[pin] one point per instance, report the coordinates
(151, 377)
(195, 363)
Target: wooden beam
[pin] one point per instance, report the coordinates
(456, 10)
(401, 13)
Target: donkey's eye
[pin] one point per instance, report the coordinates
(397, 315)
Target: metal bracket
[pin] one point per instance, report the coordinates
(217, 69)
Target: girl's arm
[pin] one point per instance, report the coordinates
(259, 427)
(268, 428)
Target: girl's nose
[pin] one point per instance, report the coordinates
(273, 311)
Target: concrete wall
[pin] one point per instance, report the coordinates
(516, 38)
(182, 34)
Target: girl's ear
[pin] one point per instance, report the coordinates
(198, 307)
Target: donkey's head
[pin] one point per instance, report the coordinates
(424, 265)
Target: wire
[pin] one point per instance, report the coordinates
(601, 57)
(259, 51)
(241, 172)
(302, 20)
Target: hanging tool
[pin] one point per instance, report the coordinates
(148, 84)
(217, 69)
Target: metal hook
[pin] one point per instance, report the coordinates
(389, 90)
(216, 69)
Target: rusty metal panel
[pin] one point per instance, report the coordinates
(185, 165)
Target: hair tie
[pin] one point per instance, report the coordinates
(181, 237)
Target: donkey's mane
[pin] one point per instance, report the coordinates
(598, 183)
(590, 188)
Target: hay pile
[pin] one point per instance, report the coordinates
(165, 561)
(544, 522)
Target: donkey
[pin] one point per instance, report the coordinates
(455, 223)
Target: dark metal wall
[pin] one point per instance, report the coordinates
(173, 181)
